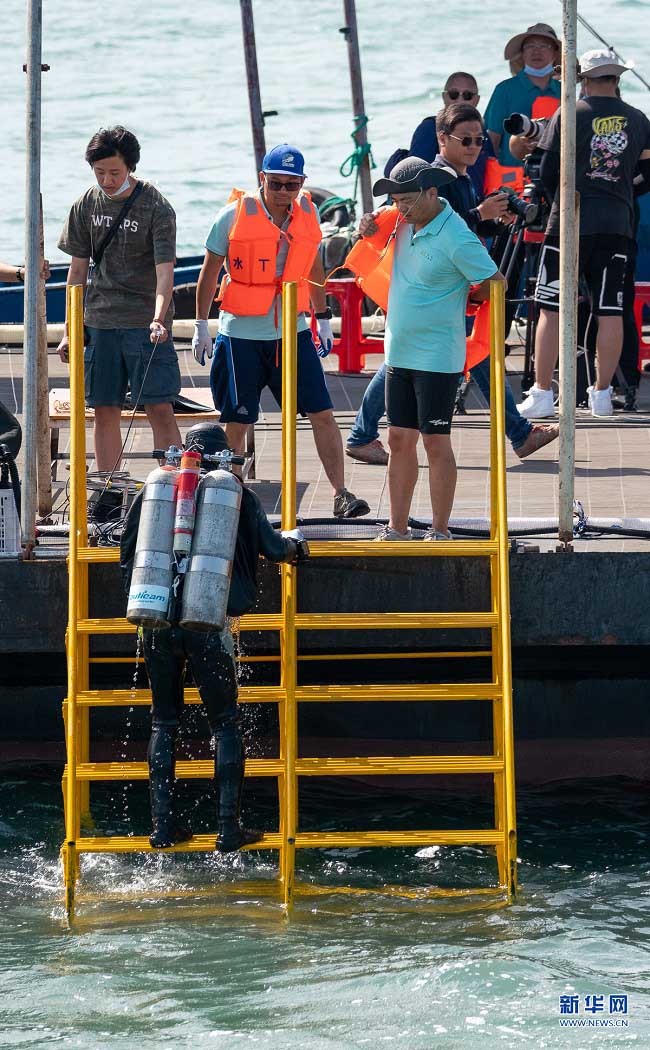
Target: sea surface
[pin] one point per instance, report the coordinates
(174, 74)
(166, 951)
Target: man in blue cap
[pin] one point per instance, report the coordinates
(264, 239)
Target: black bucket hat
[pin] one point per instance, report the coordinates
(412, 175)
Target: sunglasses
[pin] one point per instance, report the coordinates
(454, 93)
(467, 140)
(291, 186)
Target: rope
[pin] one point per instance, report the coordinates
(357, 157)
(336, 202)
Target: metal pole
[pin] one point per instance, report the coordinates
(32, 274)
(569, 233)
(358, 106)
(253, 80)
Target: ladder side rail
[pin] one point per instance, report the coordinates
(288, 783)
(78, 537)
(503, 716)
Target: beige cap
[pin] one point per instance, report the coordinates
(515, 44)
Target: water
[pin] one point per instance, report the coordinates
(159, 957)
(175, 75)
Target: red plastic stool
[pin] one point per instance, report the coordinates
(352, 345)
(641, 299)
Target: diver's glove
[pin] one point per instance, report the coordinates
(298, 546)
(201, 342)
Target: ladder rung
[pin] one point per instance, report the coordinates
(370, 549)
(349, 549)
(304, 840)
(396, 692)
(198, 769)
(373, 765)
(389, 621)
(411, 765)
(264, 694)
(344, 839)
(140, 844)
(98, 554)
(120, 625)
(248, 694)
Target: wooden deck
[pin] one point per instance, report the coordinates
(612, 455)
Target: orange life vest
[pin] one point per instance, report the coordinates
(544, 107)
(371, 261)
(371, 258)
(512, 178)
(251, 285)
(498, 176)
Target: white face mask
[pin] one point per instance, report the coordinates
(544, 72)
(123, 188)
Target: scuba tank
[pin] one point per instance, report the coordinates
(151, 582)
(207, 581)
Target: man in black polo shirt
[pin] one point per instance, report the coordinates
(612, 143)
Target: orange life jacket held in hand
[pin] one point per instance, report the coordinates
(251, 285)
(371, 258)
(477, 343)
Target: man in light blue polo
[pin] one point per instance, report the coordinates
(436, 259)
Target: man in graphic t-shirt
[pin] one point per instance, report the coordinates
(128, 309)
(612, 144)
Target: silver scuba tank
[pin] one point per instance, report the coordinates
(151, 582)
(207, 581)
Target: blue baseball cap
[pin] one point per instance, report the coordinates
(284, 160)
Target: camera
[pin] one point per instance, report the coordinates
(523, 207)
(520, 124)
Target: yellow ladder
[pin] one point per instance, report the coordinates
(288, 767)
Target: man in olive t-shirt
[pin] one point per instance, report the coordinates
(128, 307)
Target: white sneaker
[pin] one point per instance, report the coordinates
(392, 534)
(538, 404)
(435, 534)
(600, 401)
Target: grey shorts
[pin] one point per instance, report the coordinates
(117, 358)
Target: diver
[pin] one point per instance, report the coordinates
(210, 655)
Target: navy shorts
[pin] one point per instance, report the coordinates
(241, 368)
(117, 358)
(419, 400)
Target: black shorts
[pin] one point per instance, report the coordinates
(421, 401)
(602, 264)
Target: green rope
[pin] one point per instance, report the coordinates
(334, 202)
(361, 151)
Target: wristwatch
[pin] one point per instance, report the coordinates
(324, 315)
(20, 274)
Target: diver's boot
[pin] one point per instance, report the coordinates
(229, 778)
(162, 762)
